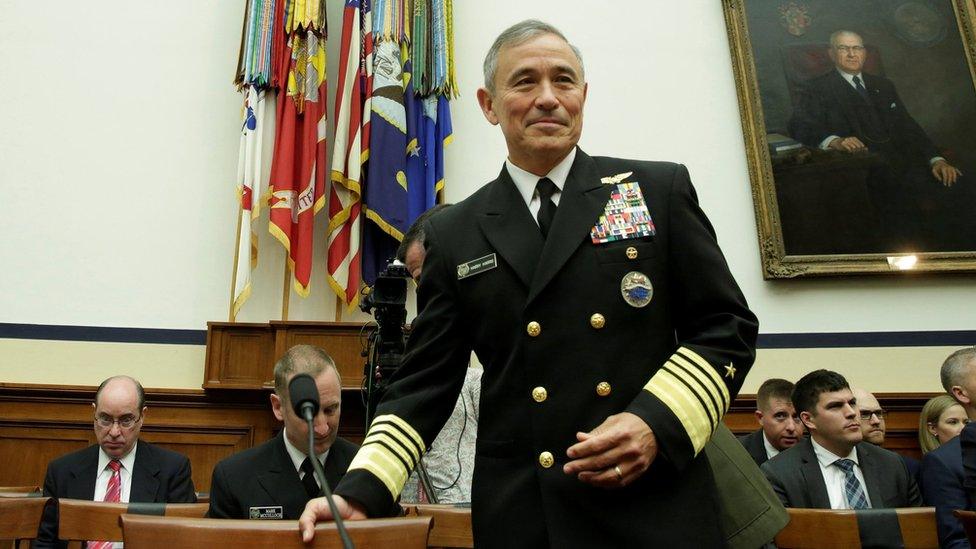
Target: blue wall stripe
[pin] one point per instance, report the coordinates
(824, 340)
(960, 338)
(103, 334)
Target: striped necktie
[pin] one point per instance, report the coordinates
(852, 487)
(113, 494)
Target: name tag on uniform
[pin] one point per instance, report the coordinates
(271, 512)
(476, 266)
(625, 216)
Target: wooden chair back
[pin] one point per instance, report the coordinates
(452, 525)
(145, 531)
(838, 529)
(968, 520)
(81, 520)
(19, 517)
(18, 491)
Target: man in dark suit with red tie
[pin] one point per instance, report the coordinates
(612, 334)
(852, 111)
(120, 468)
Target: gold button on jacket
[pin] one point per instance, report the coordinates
(546, 460)
(603, 388)
(533, 329)
(539, 394)
(631, 252)
(597, 321)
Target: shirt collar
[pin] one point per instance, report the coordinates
(826, 457)
(771, 450)
(526, 181)
(850, 77)
(127, 461)
(297, 456)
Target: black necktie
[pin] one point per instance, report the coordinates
(547, 208)
(860, 89)
(308, 481)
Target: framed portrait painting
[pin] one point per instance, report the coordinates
(859, 120)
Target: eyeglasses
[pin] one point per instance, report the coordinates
(850, 49)
(866, 414)
(125, 422)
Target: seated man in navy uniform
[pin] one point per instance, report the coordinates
(612, 334)
(274, 480)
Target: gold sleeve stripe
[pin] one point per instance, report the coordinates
(391, 433)
(382, 463)
(390, 451)
(404, 427)
(690, 387)
(394, 447)
(686, 407)
(709, 370)
(689, 375)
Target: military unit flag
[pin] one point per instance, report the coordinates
(391, 119)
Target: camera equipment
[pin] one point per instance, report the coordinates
(384, 348)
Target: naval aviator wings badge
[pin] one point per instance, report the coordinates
(625, 215)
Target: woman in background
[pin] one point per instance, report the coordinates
(941, 420)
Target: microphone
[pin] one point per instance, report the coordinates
(304, 396)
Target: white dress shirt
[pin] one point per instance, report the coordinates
(835, 478)
(526, 182)
(298, 457)
(125, 475)
(105, 474)
(771, 450)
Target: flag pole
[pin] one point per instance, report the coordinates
(338, 311)
(231, 317)
(285, 292)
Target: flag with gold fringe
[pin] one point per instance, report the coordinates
(350, 152)
(253, 79)
(298, 168)
(410, 121)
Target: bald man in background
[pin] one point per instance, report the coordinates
(119, 468)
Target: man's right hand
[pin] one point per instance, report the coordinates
(848, 144)
(318, 509)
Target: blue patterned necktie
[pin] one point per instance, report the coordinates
(852, 487)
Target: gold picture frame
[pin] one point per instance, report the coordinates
(822, 212)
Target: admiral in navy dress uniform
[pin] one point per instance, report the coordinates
(612, 334)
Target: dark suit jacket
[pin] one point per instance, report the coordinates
(158, 476)
(943, 488)
(828, 105)
(560, 283)
(265, 476)
(797, 480)
(753, 443)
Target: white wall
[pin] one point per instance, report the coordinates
(118, 150)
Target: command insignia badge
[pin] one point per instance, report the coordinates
(636, 289)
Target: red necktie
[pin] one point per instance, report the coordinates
(113, 494)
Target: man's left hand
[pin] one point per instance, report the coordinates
(614, 454)
(946, 173)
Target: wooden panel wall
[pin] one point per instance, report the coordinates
(40, 423)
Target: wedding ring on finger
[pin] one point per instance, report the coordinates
(620, 475)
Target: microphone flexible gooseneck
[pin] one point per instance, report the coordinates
(304, 396)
